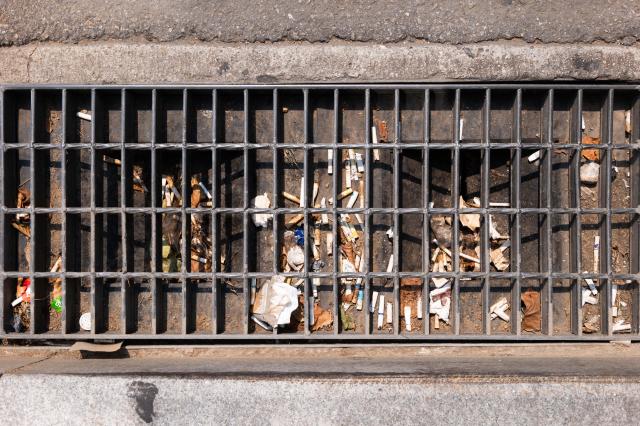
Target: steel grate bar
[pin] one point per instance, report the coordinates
(486, 218)
(426, 188)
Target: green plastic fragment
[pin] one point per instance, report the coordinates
(56, 304)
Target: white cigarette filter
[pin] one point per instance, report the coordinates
(389, 313)
(419, 307)
(407, 318)
(374, 300)
(352, 200)
(381, 312)
(374, 139)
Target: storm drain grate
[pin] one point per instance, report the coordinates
(432, 211)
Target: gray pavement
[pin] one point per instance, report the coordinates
(380, 21)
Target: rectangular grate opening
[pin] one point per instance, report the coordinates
(395, 212)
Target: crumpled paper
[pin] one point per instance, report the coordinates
(275, 302)
(440, 302)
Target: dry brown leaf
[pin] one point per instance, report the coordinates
(531, 315)
(471, 220)
(591, 154)
(323, 318)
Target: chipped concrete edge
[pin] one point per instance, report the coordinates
(149, 63)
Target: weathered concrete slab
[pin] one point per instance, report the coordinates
(168, 400)
(264, 63)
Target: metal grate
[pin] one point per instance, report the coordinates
(444, 141)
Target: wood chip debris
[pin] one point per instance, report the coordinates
(470, 220)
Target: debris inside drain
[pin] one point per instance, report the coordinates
(209, 230)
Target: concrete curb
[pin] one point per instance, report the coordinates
(270, 63)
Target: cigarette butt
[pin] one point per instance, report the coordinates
(374, 300)
(24, 230)
(198, 258)
(435, 254)
(108, 159)
(462, 255)
(16, 301)
(419, 307)
(354, 299)
(324, 216)
(374, 139)
(291, 197)
(591, 285)
(407, 318)
(359, 163)
(460, 137)
(381, 312)
(360, 300)
(359, 218)
(361, 192)
(389, 313)
(205, 190)
(347, 172)
(142, 185)
(316, 236)
(56, 266)
(253, 290)
(315, 282)
(329, 244)
(312, 318)
(329, 161)
(496, 204)
(295, 220)
(84, 116)
(316, 188)
(596, 253)
(352, 199)
(345, 193)
(176, 192)
(533, 157)
(354, 171)
(302, 193)
(390, 264)
(436, 322)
